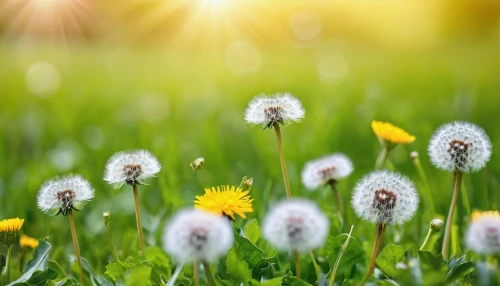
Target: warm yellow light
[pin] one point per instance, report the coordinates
(215, 3)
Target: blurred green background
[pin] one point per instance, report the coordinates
(81, 80)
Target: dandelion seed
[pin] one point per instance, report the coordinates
(197, 235)
(385, 197)
(329, 168)
(131, 167)
(225, 200)
(460, 146)
(198, 164)
(483, 235)
(61, 195)
(246, 184)
(296, 225)
(268, 110)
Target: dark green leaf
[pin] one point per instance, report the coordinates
(160, 264)
(251, 230)
(41, 277)
(388, 258)
(458, 268)
(252, 254)
(429, 260)
(236, 267)
(68, 282)
(353, 255)
(38, 262)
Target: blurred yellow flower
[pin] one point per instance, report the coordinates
(390, 133)
(487, 214)
(225, 200)
(26, 241)
(9, 229)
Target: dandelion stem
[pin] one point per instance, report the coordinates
(138, 216)
(282, 160)
(382, 158)
(297, 264)
(196, 273)
(115, 257)
(426, 246)
(209, 274)
(379, 234)
(7, 266)
(21, 259)
(449, 220)
(75, 243)
(423, 177)
(336, 193)
(315, 264)
(341, 253)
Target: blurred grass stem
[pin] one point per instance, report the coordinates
(297, 264)
(138, 217)
(196, 273)
(282, 160)
(423, 177)
(115, 257)
(379, 234)
(449, 220)
(382, 157)
(336, 193)
(341, 253)
(75, 243)
(208, 274)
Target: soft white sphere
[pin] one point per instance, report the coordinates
(131, 167)
(296, 225)
(385, 197)
(461, 146)
(317, 173)
(281, 108)
(195, 234)
(483, 235)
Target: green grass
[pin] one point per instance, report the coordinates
(182, 106)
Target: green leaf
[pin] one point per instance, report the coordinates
(38, 262)
(68, 282)
(388, 258)
(54, 265)
(138, 275)
(458, 268)
(115, 271)
(252, 254)
(272, 282)
(251, 230)
(431, 261)
(160, 262)
(353, 254)
(41, 277)
(236, 267)
(294, 281)
(95, 279)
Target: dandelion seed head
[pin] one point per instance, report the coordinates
(199, 235)
(296, 225)
(267, 110)
(385, 197)
(483, 235)
(317, 173)
(61, 195)
(131, 167)
(460, 146)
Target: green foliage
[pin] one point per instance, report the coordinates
(353, 255)
(388, 258)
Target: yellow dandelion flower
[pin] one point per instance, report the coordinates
(390, 133)
(26, 241)
(487, 214)
(9, 229)
(225, 200)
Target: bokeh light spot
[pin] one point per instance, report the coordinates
(42, 79)
(332, 67)
(242, 57)
(305, 25)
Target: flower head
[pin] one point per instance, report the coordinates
(61, 195)
(385, 197)
(131, 167)
(198, 164)
(460, 146)
(483, 235)
(9, 229)
(199, 235)
(267, 110)
(26, 241)
(333, 167)
(225, 200)
(390, 133)
(296, 225)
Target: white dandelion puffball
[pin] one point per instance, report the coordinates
(460, 146)
(385, 197)
(195, 234)
(483, 235)
(131, 167)
(333, 167)
(62, 195)
(267, 110)
(296, 225)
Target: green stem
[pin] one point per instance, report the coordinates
(282, 160)
(297, 264)
(209, 274)
(75, 243)
(115, 257)
(7, 265)
(21, 259)
(196, 273)
(336, 193)
(379, 234)
(423, 177)
(315, 264)
(449, 219)
(337, 263)
(138, 217)
(382, 158)
(426, 245)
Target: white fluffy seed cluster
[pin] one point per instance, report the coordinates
(385, 197)
(460, 146)
(131, 167)
(63, 194)
(296, 225)
(195, 234)
(281, 108)
(483, 235)
(318, 172)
